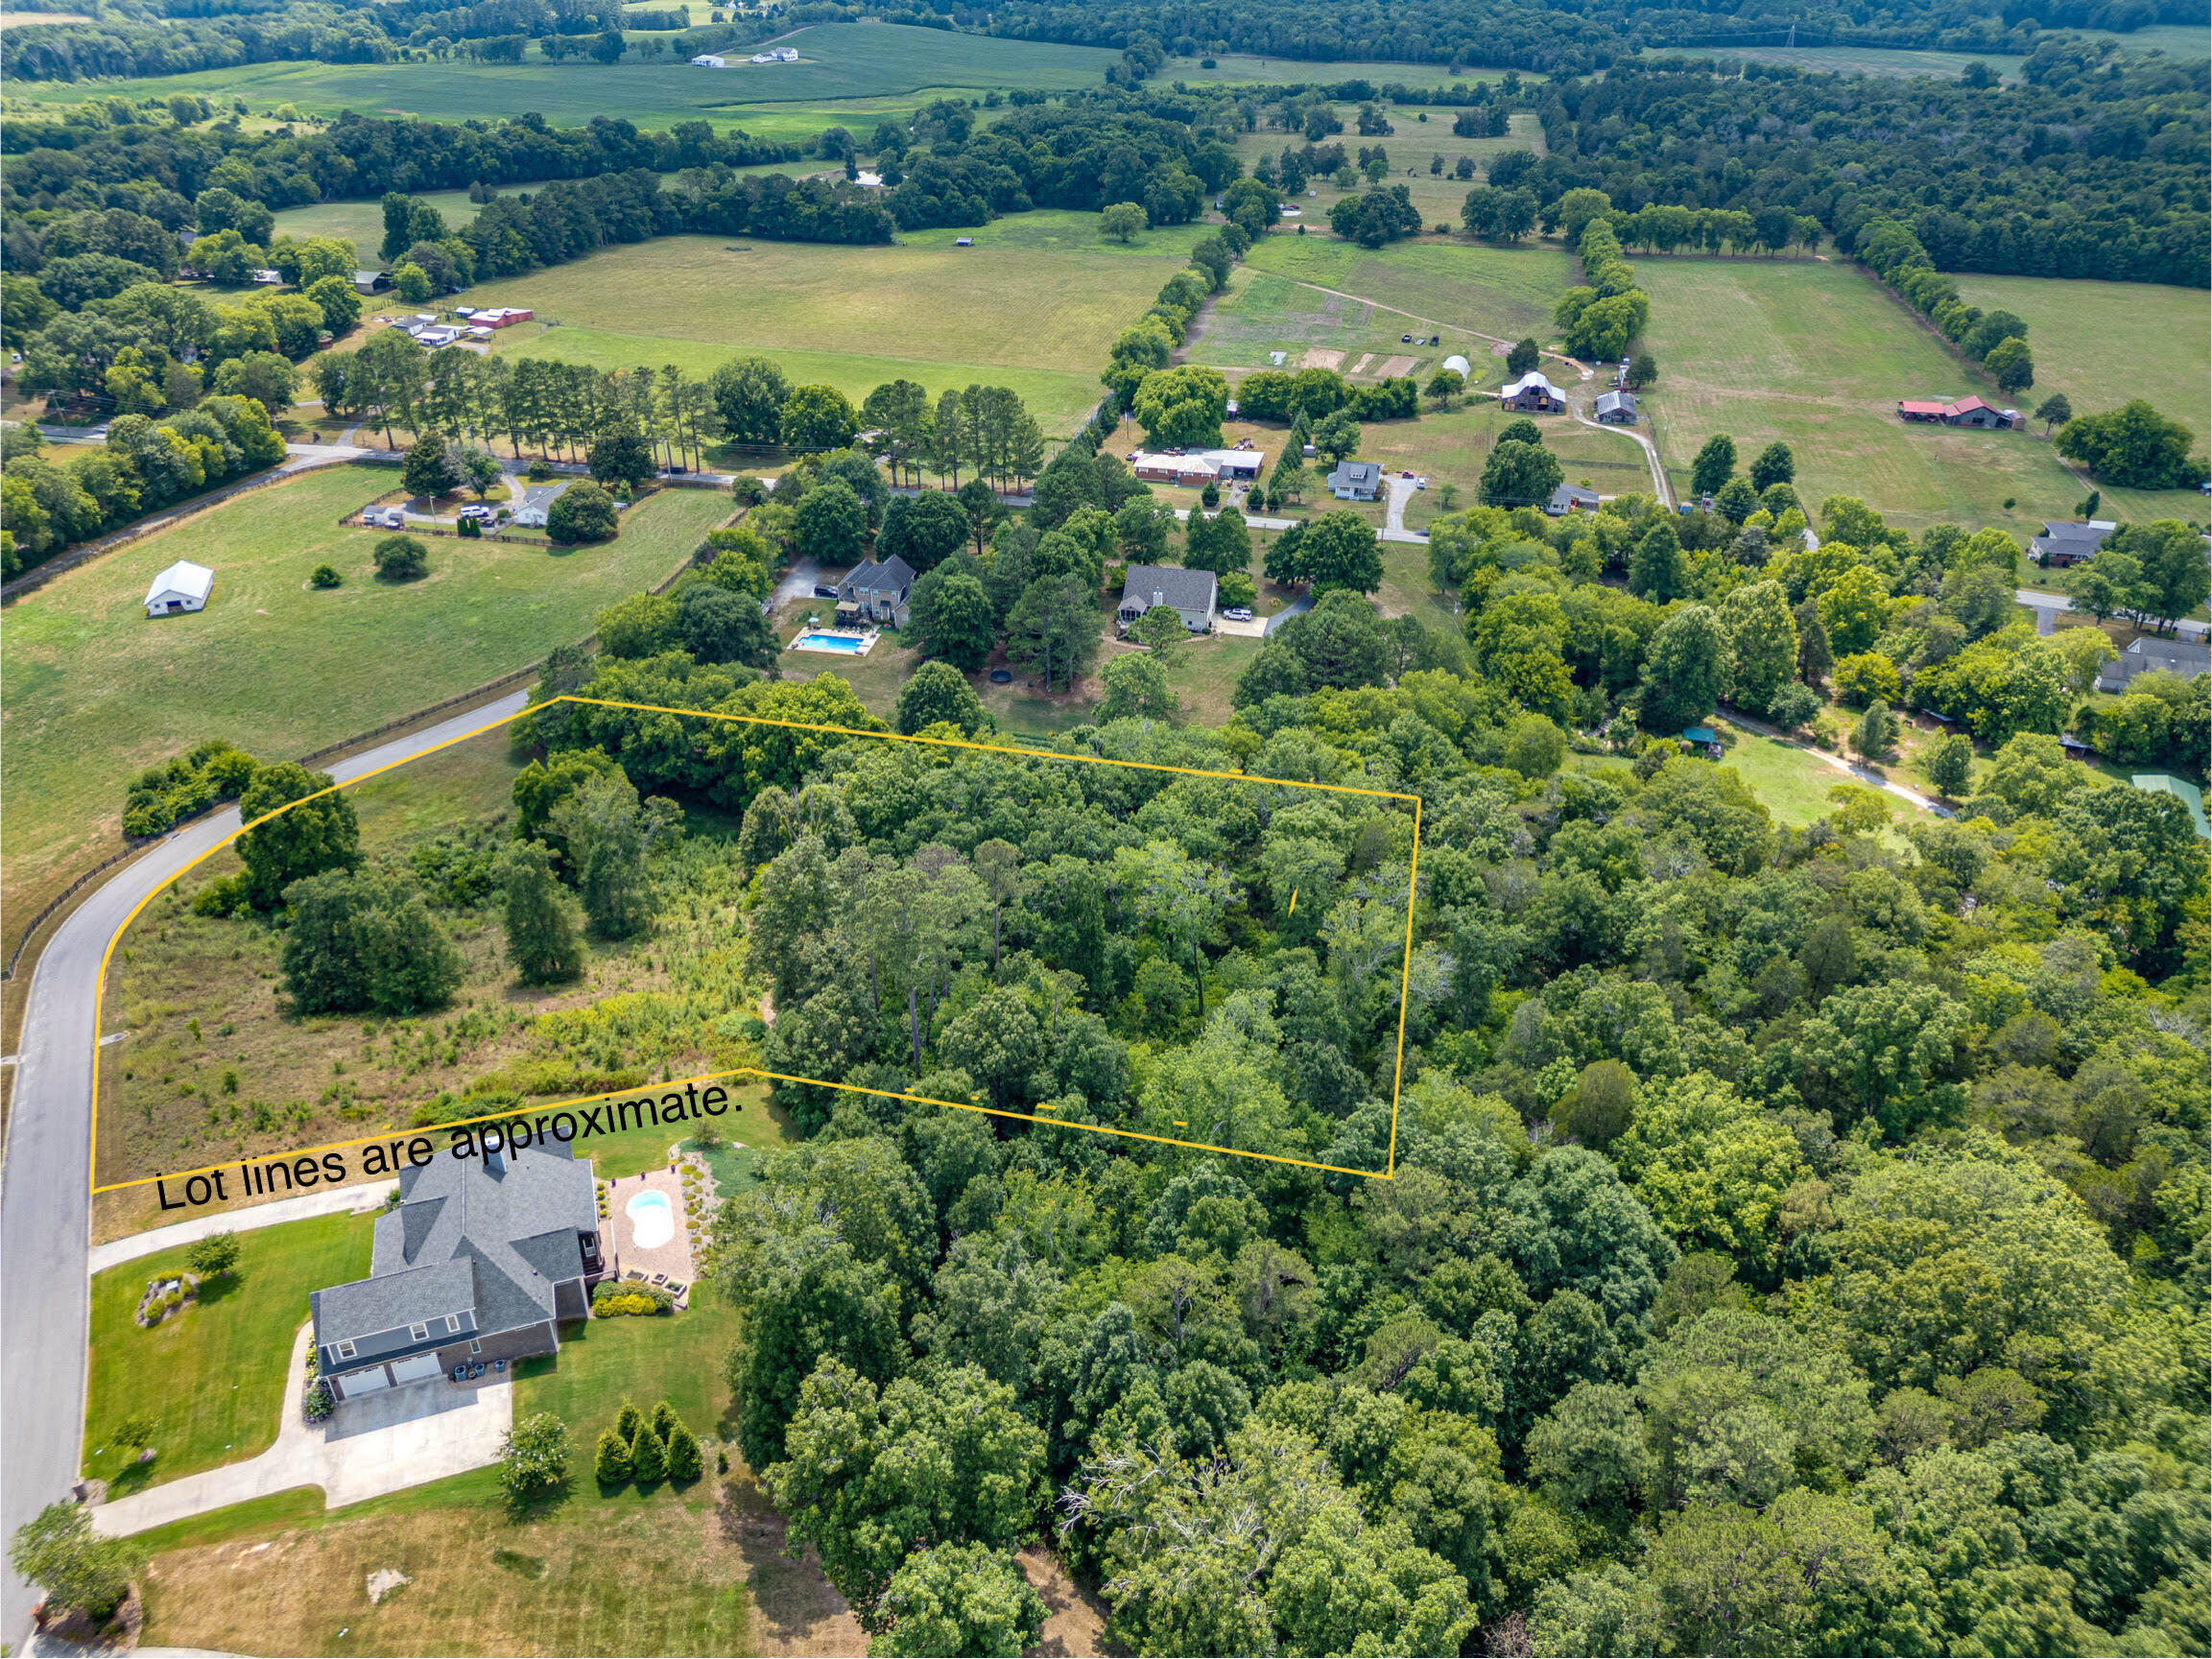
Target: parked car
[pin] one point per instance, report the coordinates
(1239, 613)
(1405, 340)
(1406, 474)
(822, 592)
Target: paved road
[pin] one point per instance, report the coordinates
(45, 1206)
(2047, 606)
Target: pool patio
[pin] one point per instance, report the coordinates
(836, 641)
(669, 1264)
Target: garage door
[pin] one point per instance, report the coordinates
(355, 1383)
(416, 1369)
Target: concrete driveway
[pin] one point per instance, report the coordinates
(368, 1447)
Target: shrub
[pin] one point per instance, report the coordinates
(533, 1460)
(610, 1462)
(648, 1457)
(582, 512)
(401, 559)
(324, 575)
(165, 795)
(57, 1551)
(663, 1418)
(1793, 706)
(468, 528)
(683, 1459)
(316, 1402)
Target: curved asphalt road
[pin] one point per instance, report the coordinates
(45, 1203)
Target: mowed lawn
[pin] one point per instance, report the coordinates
(93, 692)
(1034, 304)
(2103, 343)
(1818, 354)
(1497, 293)
(213, 1379)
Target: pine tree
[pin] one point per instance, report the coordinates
(541, 933)
(648, 1457)
(683, 1459)
(626, 1422)
(610, 1463)
(663, 1418)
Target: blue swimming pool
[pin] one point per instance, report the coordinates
(830, 642)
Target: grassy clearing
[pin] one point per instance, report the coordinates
(361, 223)
(1818, 354)
(1243, 66)
(2103, 343)
(604, 1361)
(1854, 59)
(1421, 132)
(838, 61)
(1032, 305)
(213, 1378)
(215, 1070)
(1497, 293)
(94, 692)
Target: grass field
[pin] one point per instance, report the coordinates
(2103, 343)
(1032, 305)
(94, 692)
(1818, 354)
(837, 61)
(1852, 59)
(213, 1379)
(361, 223)
(1421, 133)
(1243, 66)
(1501, 293)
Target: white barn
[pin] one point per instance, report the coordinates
(182, 586)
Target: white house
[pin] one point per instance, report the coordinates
(182, 586)
(781, 55)
(710, 62)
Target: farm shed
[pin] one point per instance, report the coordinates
(1571, 498)
(1459, 367)
(1617, 408)
(182, 586)
(371, 282)
(1533, 394)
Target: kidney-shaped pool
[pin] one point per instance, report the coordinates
(651, 1221)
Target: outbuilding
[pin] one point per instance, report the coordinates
(182, 586)
(1617, 408)
(371, 282)
(1533, 394)
(1459, 367)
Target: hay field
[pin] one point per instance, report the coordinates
(1818, 354)
(837, 61)
(1503, 292)
(1033, 304)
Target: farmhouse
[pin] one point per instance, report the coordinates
(779, 54)
(876, 592)
(1617, 408)
(182, 586)
(479, 1261)
(1356, 481)
(1571, 498)
(1192, 593)
(2064, 544)
(2154, 655)
(1533, 394)
(1197, 468)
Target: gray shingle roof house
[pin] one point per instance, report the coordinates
(2144, 655)
(875, 592)
(1356, 481)
(2062, 544)
(1192, 592)
(479, 1261)
(1570, 498)
(1617, 408)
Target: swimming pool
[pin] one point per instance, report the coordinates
(831, 642)
(651, 1221)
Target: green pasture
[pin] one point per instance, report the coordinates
(1246, 66)
(1411, 144)
(94, 692)
(1033, 305)
(1497, 293)
(1852, 59)
(362, 221)
(837, 61)
(2103, 343)
(212, 1379)
(1819, 354)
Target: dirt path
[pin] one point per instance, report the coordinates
(1659, 485)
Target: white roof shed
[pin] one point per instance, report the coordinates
(182, 586)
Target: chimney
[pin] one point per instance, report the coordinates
(495, 1152)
